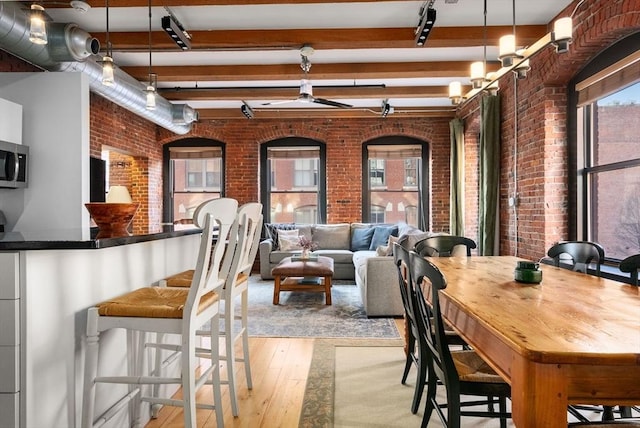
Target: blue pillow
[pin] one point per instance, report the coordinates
(361, 238)
(381, 236)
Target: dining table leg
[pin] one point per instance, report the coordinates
(539, 394)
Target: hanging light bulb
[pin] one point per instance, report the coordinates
(507, 50)
(455, 92)
(151, 97)
(477, 74)
(107, 71)
(562, 34)
(37, 28)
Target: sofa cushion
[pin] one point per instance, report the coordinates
(381, 236)
(332, 237)
(338, 256)
(361, 238)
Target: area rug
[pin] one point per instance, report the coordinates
(304, 314)
(356, 383)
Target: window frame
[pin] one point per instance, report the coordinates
(580, 144)
(168, 173)
(266, 174)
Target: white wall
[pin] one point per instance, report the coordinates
(56, 129)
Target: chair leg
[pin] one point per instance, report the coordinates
(432, 385)
(90, 369)
(188, 379)
(245, 336)
(453, 408)
(157, 371)
(215, 374)
(229, 341)
(409, 361)
(420, 383)
(135, 353)
(503, 409)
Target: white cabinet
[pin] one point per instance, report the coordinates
(10, 122)
(10, 338)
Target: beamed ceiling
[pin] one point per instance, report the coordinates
(364, 52)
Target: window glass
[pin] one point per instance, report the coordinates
(294, 197)
(393, 191)
(194, 181)
(612, 172)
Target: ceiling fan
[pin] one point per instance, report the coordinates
(306, 89)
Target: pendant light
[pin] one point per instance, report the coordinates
(107, 60)
(37, 26)
(151, 87)
(479, 68)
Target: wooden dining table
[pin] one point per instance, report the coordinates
(573, 338)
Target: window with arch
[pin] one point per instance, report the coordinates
(606, 98)
(299, 193)
(394, 180)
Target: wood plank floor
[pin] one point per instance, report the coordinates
(279, 367)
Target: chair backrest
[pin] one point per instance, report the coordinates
(209, 275)
(443, 245)
(206, 207)
(401, 259)
(253, 213)
(581, 253)
(427, 279)
(631, 265)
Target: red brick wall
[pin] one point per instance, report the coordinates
(542, 174)
(344, 139)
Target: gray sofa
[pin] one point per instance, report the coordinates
(360, 251)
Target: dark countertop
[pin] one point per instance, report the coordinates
(78, 239)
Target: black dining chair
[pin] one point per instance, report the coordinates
(631, 265)
(462, 373)
(444, 245)
(606, 424)
(579, 253)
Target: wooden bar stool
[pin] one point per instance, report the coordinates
(165, 310)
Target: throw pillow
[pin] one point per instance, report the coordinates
(271, 231)
(332, 236)
(361, 238)
(289, 240)
(381, 236)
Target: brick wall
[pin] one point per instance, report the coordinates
(534, 164)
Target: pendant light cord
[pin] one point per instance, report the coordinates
(107, 36)
(150, 78)
(485, 37)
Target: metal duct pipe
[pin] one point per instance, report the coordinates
(72, 49)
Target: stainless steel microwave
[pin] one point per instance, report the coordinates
(14, 161)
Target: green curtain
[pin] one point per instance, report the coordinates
(456, 195)
(489, 175)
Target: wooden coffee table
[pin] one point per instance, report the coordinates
(300, 275)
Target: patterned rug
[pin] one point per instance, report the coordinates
(304, 314)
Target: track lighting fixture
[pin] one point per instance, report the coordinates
(386, 108)
(427, 19)
(37, 26)
(522, 67)
(176, 31)
(246, 110)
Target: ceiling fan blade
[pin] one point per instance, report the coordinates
(275, 103)
(331, 103)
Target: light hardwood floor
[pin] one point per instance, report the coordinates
(279, 367)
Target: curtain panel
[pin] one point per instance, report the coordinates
(489, 175)
(456, 195)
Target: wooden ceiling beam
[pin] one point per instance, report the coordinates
(366, 92)
(351, 71)
(344, 38)
(324, 113)
(175, 3)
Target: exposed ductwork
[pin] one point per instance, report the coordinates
(70, 48)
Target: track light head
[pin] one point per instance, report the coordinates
(177, 33)
(247, 111)
(427, 19)
(386, 108)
